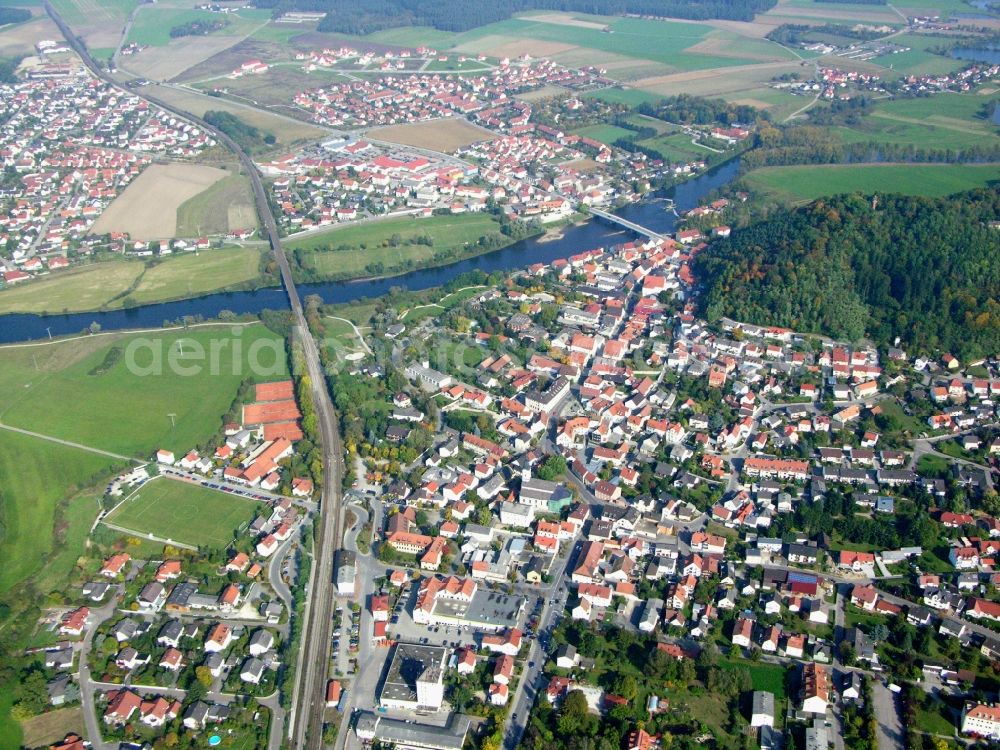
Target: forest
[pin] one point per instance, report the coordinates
(924, 269)
(346, 17)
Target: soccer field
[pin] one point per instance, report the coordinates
(183, 512)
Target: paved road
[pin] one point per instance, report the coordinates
(554, 597)
(890, 727)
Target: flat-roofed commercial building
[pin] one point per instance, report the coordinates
(415, 679)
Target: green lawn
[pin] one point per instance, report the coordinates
(184, 512)
(631, 97)
(767, 677)
(38, 475)
(805, 183)
(370, 243)
(112, 284)
(677, 147)
(125, 406)
(604, 133)
(190, 275)
(934, 722)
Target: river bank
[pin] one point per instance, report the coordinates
(576, 238)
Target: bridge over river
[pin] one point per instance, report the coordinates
(637, 228)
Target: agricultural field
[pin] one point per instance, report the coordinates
(370, 242)
(448, 135)
(184, 512)
(224, 206)
(275, 88)
(941, 121)
(153, 23)
(20, 39)
(812, 12)
(99, 22)
(124, 386)
(147, 209)
(671, 43)
(38, 476)
(806, 183)
(287, 130)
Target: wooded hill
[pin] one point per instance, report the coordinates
(926, 270)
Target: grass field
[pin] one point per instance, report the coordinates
(677, 147)
(38, 475)
(121, 408)
(448, 232)
(111, 284)
(220, 208)
(809, 182)
(86, 288)
(917, 60)
(631, 97)
(184, 512)
(604, 133)
(190, 275)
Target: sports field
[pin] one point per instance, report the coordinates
(370, 243)
(147, 209)
(184, 512)
(809, 182)
(79, 390)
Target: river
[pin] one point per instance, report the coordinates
(593, 234)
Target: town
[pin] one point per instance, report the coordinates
(414, 386)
